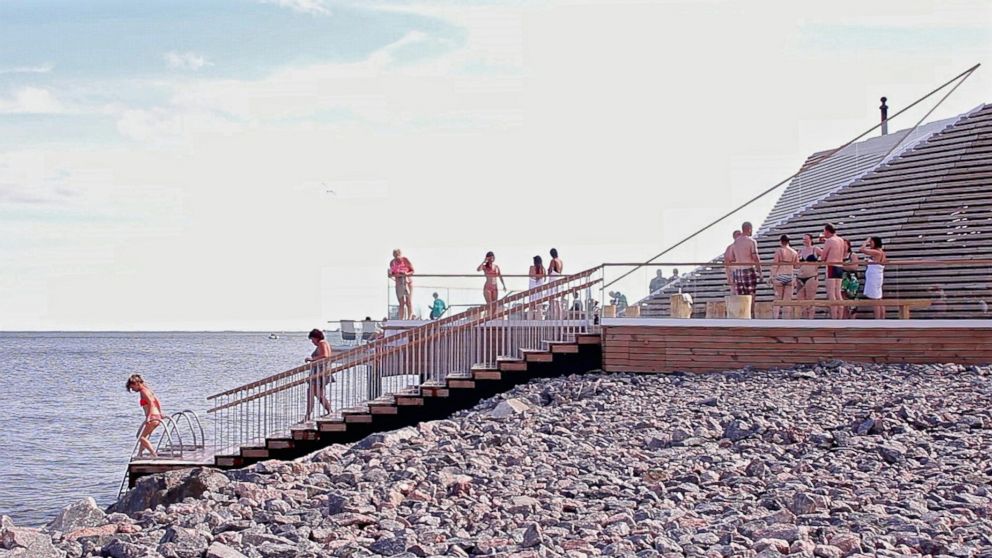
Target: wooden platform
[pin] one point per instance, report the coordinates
(669, 345)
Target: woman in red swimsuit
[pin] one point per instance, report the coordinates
(490, 291)
(153, 412)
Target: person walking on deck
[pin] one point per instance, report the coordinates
(490, 290)
(747, 271)
(727, 257)
(152, 407)
(318, 382)
(401, 270)
(875, 272)
(808, 277)
(834, 248)
(782, 276)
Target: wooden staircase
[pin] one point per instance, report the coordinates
(426, 402)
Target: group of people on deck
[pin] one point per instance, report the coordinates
(401, 271)
(796, 273)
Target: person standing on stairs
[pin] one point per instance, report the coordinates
(490, 291)
(153, 412)
(317, 385)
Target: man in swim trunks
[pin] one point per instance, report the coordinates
(834, 248)
(744, 250)
(727, 257)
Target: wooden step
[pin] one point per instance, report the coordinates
(487, 374)
(461, 382)
(255, 452)
(278, 443)
(383, 408)
(331, 424)
(589, 339)
(435, 391)
(228, 461)
(537, 355)
(306, 431)
(566, 347)
(511, 364)
(409, 400)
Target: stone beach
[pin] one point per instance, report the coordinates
(821, 461)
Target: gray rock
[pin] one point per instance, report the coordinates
(122, 549)
(389, 545)
(83, 513)
(533, 536)
(737, 430)
(386, 438)
(510, 407)
(169, 488)
(28, 543)
(218, 550)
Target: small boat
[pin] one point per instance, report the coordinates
(273, 336)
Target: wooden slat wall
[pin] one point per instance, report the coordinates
(636, 348)
(933, 201)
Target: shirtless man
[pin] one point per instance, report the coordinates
(726, 259)
(834, 248)
(744, 250)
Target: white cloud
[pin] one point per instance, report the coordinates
(31, 100)
(186, 60)
(40, 69)
(315, 7)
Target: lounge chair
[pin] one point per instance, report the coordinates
(348, 333)
(370, 333)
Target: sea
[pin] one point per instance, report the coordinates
(67, 425)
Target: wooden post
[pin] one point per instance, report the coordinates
(763, 310)
(610, 311)
(738, 306)
(632, 312)
(681, 306)
(716, 309)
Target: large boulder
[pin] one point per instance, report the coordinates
(27, 543)
(386, 438)
(78, 515)
(169, 488)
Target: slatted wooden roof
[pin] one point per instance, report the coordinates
(818, 178)
(932, 201)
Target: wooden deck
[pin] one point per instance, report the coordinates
(669, 345)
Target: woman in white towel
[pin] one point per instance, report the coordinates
(875, 272)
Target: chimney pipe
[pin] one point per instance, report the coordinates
(885, 116)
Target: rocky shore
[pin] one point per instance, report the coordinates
(827, 461)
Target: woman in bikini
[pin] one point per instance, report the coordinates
(807, 279)
(490, 291)
(318, 383)
(783, 273)
(538, 275)
(153, 412)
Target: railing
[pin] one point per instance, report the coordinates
(170, 443)
(458, 291)
(402, 360)
(955, 287)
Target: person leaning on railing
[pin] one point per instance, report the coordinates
(317, 384)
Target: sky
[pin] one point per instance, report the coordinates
(250, 164)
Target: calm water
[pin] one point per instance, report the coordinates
(66, 424)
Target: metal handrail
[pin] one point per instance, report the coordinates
(170, 427)
(424, 353)
(360, 349)
(325, 374)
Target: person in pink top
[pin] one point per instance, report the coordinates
(401, 270)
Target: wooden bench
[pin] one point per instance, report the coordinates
(904, 304)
